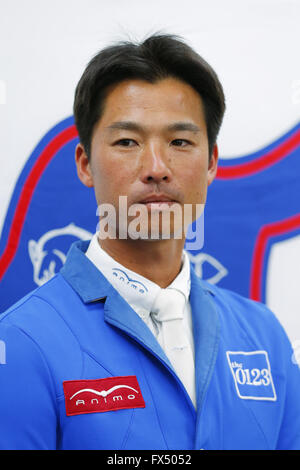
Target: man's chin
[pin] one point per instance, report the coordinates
(153, 233)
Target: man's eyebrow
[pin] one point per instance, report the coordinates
(183, 126)
(125, 125)
(134, 126)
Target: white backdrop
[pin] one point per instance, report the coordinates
(252, 44)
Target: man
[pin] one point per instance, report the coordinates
(126, 348)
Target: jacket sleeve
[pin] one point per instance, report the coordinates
(28, 417)
(289, 435)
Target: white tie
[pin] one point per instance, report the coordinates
(167, 314)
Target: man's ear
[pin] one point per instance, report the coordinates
(83, 166)
(213, 165)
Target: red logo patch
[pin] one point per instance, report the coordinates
(96, 396)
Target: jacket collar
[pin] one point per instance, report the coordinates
(206, 330)
(82, 274)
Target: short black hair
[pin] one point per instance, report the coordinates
(157, 57)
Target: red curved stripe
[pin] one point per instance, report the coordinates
(27, 192)
(250, 168)
(265, 233)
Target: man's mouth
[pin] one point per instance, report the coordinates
(158, 201)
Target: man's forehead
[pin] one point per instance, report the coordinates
(169, 103)
(137, 92)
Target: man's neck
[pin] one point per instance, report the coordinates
(159, 260)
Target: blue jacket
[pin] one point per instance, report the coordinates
(77, 327)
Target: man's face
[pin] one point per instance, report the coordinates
(150, 145)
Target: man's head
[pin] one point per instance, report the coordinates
(156, 58)
(148, 116)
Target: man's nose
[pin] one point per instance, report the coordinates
(155, 166)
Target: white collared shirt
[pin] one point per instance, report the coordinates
(138, 291)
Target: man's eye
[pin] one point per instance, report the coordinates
(180, 142)
(125, 142)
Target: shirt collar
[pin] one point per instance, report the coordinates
(91, 285)
(137, 290)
